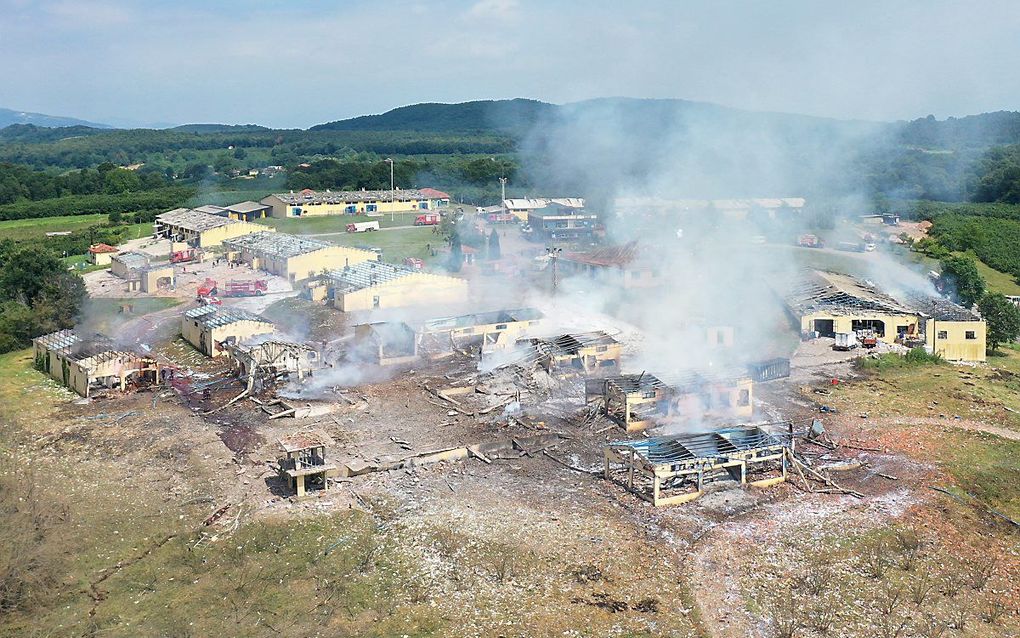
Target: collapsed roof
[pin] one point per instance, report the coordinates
(193, 220)
(708, 446)
(218, 316)
(367, 274)
(276, 245)
(308, 196)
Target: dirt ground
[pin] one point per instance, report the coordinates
(530, 543)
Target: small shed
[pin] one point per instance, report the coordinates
(304, 465)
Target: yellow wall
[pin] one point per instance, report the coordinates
(955, 346)
(309, 209)
(844, 323)
(192, 332)
(150, 279)
(100, 259)
(415, 289)
(215, 236)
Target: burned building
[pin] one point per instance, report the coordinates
(639, 401)
(826, 303)
(200, 229)
(88, 366)
(386, 343)
(590, 353)
(493, 331)
(211, 328)
(293, 257)
(621, 266)
(274, 358)
(633, 401)
(373, 285)
(304, 466)
(668, 470)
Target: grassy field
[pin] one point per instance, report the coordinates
(396, 244)
(105, 313)
(335, 223)
(22, 229)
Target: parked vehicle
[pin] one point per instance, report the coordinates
(428, 219)
(867, 338)
(869, 247)
(501, 218)
(414, 262)
(210, 301)
(810, 241)
(183, 256)
(246, 288)
(208, 288)
(845, 341)
(362, 227)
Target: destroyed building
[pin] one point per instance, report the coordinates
(141, 274)
(372, 285)
(274, 358)
(88, 366)
(493, 331)
(590, 353)
(201, 229)
(620, 266)
(125, 265)
(304, 466)
(638, 401)
(827, 303)
(212, 328)
(292, 257)
(386, 343)
(668, 470)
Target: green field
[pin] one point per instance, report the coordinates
(335, 223)
(395, 244)
(23, 229)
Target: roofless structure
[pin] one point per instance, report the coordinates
(668, 470)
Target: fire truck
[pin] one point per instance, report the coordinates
(207, 289)
(246, 288)
(184, 256)
(428, 219)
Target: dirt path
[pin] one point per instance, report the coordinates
(959, 424)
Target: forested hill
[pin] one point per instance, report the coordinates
(504, 116)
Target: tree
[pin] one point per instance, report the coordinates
(494, 250)
(967, 282)
(1002, 319)
(456, 253)
(115, 217)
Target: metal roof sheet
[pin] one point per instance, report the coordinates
(218, 316)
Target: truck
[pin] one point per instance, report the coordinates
(414, 262)
(850, 247)
(246, 288)
(362, 227)
(810, 241)
(427, 219)
(208, 288)
(184, 256)
(867, 338)
(845, 341)
(501, 218)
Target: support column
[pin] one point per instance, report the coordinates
(300, 479)
(655, 491)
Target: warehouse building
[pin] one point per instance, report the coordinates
(522, 207)
(211, 329)
(562, 223)
(292, 257)
(309, 203)
(826, 303)
(248, 211)
(374, 284)
(88, 367)
(199, 229)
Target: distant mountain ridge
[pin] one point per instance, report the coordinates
(10, 116)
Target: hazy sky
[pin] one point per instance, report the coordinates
(297, 63)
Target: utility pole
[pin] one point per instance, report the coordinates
(390, 160)
(554, 254)
(502, 197)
